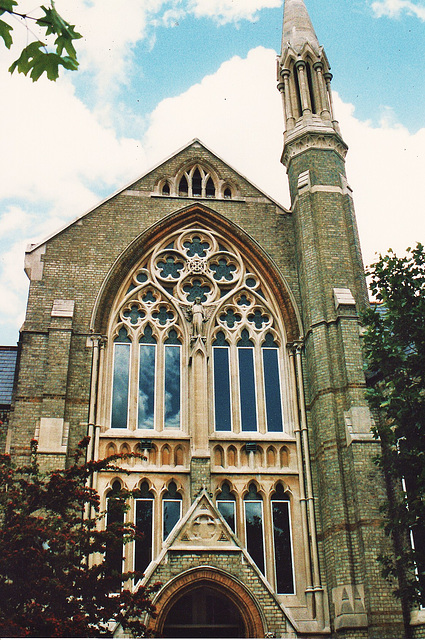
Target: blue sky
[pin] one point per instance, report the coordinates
(156, 73)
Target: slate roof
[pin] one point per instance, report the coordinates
(8, 357)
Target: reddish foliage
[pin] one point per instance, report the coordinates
(49, 586)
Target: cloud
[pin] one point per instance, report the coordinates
(61, 159)
(223, 11)
(394, 8)
(57, 151)
(237, 113)
(385, 167)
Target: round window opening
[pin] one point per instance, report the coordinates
(204, 613)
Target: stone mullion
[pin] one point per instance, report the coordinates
(260, 389)
(159, 412)
(322, 91)
(234, 388)
(268, 542)
(133, 384)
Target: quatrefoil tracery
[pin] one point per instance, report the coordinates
(191, 264)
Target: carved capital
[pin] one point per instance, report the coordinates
(313, 140)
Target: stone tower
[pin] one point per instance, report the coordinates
(193, 319)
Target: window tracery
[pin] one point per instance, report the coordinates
(196, 181)
(196, 284)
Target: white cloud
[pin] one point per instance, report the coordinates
(238, 114)
(110, 31)
(60, 157)
(385, 166)
(57, 151)
(394, 8)
(224, 11)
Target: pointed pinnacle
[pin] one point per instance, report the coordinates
(297, 27)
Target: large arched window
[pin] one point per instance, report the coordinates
(196, 290)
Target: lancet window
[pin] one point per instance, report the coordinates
(196, 181)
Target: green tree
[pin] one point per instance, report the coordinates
(395, 351)
(51, 530)
(39, 56)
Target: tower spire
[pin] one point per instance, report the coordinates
(297, 27)
(304, 78)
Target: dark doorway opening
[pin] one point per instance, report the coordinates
(204, 613)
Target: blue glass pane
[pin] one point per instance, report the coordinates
(254, 532)
(171, 510)
(172, 387)
(120, 386)
(143, 548)
(223, 418)
(247, 390)
(146, 398)
(282, 547)
(227, 510)
(272, 390)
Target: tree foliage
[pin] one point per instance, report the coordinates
(50, 585)
(395, 350)
(39, 56)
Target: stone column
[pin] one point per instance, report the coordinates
(324, 102)
(304, 90)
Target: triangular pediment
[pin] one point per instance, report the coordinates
(203, 528)
(147, 185)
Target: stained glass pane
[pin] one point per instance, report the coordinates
(171, 513)
(222, 402)
(143, 548)
(254, 532)
(120, 386)
(146, 399)
(227, 510)
(282, 546)
(272, 390)
(247, 389)
(172, 387)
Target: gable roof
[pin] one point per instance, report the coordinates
(202, 527)
(34, 246)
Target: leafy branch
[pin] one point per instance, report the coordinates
(39, 57)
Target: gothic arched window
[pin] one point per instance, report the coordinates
(196, 292)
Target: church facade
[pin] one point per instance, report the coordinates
(192, 319)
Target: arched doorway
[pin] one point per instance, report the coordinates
(204, 613)
(209, 603)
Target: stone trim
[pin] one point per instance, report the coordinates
(221, 582)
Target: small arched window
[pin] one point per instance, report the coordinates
(227, 192)
(166, 189)
(183, 187)
(282, 541)
(254, 526)
(226, 504)
(196, 183)
(114, 547)
(144, 504)
(210, 188)
(171, 509)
